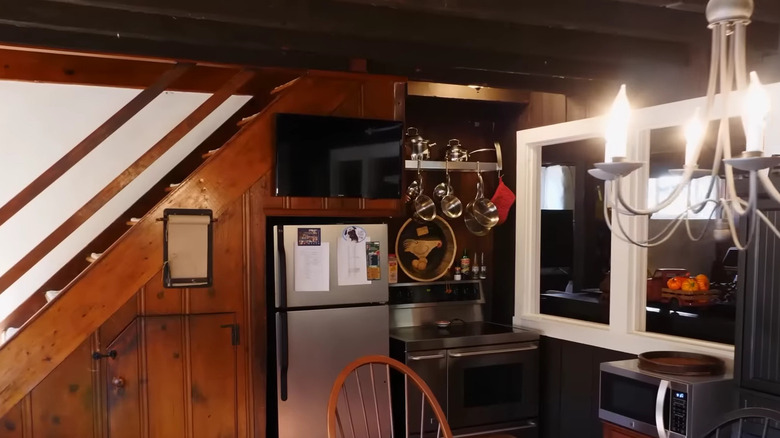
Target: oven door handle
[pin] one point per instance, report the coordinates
(485, 352)
(663, 389)
(427, 357)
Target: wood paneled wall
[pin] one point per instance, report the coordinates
(189, 362)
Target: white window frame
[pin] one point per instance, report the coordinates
(628, 263)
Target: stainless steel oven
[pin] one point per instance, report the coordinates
(663, 405)
(485, 376)
(492, 384)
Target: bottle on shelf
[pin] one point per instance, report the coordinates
(392, 269)
(465, 265)
(482, 268)
(474, 267)
(457, 275)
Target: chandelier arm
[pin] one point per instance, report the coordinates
(686, 178)
(713, 181)
(739, 54)
(675, 223)
(751, 206)
(724, 140)
(724, 132)
(713, 79)
(733, 228)
(768, 185)
(664, 235)
(707, 225)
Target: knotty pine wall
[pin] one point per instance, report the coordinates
(177, 372)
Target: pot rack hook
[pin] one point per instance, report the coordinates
(499, 159)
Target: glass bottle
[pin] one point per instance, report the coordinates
(465, 264)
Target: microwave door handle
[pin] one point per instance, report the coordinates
(663, 389)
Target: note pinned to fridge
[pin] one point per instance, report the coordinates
(351, 256)
(312, 268)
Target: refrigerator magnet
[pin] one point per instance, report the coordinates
(373, 272)
(309, 236)
(354, 234)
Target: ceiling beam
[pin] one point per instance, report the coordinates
(767, 11)
(611, 17)
(330, 21)
(79, 27)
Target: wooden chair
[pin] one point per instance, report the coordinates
(361, 405)
(747, 422)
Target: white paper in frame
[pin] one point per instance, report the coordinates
(187, 252)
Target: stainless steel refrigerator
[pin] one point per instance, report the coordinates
(331, 294)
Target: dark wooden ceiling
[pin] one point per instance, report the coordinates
(569, 46)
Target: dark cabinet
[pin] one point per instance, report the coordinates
(757, 354)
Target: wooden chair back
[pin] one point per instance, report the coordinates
(747, 422)
(361, 401)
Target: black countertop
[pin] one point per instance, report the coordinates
(457, 335)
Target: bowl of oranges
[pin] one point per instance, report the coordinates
(688, 291)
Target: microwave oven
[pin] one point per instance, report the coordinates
(667, 406)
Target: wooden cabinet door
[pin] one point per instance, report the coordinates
(758, 348)
(174, 376)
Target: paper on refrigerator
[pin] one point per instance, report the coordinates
(312, 268)
(351, 256)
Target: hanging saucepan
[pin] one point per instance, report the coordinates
(443, 188)
(483, 210)
(450, 204)
(468, 215)
(424, 208)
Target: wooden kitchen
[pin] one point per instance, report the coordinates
(288, 221)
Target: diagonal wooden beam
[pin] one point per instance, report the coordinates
(92, 141)
(124, 179)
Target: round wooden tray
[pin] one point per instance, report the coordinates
(681, 363)
(431, 242)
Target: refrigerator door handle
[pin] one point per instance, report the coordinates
(284, 357)
(282, 277)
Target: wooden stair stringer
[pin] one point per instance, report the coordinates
(101, 289)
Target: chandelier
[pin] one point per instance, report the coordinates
(728, 20)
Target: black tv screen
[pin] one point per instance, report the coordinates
(338, 157)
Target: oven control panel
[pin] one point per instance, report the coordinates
(679, 416)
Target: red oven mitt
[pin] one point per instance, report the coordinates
(503, 199)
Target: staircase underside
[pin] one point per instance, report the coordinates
(99, 291)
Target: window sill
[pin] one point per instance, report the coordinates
(604, 336)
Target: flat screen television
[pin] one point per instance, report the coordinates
(324, 156)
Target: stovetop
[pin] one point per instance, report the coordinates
(457, 335)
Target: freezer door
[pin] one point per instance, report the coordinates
(320, 343)
(375, 291)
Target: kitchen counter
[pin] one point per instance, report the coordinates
(431, 337)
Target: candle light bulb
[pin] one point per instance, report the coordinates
(694, 131)
(616, 133)
(755, 107)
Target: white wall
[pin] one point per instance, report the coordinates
(39, 123)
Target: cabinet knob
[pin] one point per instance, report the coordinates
(119, 382)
